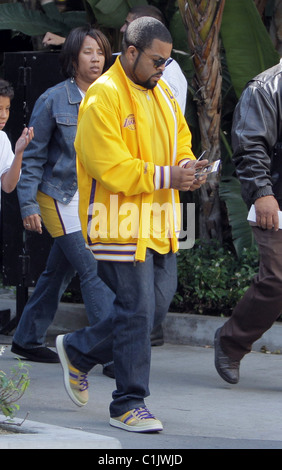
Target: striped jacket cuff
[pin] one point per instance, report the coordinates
(183, 162)
(162, 177)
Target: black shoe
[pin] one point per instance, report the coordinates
(40, 354)
(227, 368)
(157, 336)
(109, 370)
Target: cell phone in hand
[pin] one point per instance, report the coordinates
(210, 168)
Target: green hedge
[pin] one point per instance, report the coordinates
(211, 279)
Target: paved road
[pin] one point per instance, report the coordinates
(198, 409)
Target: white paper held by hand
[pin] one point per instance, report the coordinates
(252, 216)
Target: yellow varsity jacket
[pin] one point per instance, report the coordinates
(116, 173)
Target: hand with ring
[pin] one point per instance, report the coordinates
(33, 223)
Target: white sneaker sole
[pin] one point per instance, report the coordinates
(64, 363)
(153, 427)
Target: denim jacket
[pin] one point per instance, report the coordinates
(49, 162)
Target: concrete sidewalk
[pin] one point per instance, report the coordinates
(198, 409)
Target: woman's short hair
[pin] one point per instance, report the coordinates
(6, 89)
(73, 44)
(142, 32)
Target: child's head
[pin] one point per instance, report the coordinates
(6, 95)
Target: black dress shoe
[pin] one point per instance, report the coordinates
(227, 368)
(40, 354)
(109, 370)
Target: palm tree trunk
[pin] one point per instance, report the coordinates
(260, 4)
(276, 27)
(202, 19)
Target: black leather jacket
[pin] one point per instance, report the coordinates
(256, 133)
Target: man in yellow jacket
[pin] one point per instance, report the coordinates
(133, 155)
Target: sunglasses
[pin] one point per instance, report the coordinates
(157, 62)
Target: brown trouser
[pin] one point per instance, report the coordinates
(262, 303)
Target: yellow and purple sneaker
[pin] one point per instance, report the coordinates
(137, 420)
(75, 381)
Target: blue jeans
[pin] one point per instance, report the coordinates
(143, 294)
(67, 256)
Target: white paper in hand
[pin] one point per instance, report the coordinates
(252, 216)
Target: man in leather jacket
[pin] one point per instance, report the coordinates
(257, 146)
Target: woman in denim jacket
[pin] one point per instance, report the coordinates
(47, 191)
